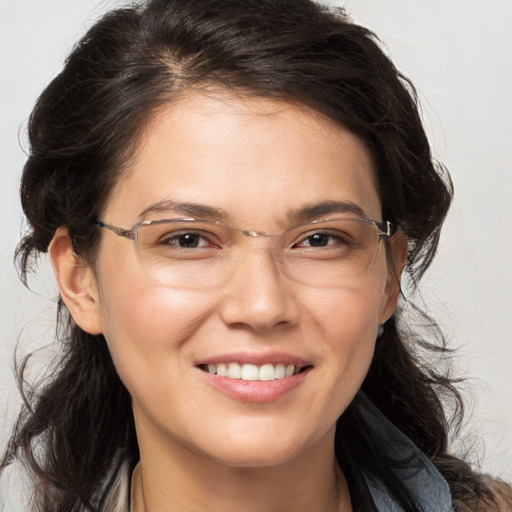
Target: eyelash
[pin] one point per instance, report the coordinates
(173, 239)
(339, 239)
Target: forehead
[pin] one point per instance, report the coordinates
(247, 156)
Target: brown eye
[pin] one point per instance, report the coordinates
(321, 239)
(189, 240)
(318, 240)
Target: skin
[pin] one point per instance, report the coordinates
(257, 159)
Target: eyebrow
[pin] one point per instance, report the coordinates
(313, 211)
(203, 211)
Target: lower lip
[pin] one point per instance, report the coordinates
(256, 391)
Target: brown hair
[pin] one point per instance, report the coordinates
(84, 128)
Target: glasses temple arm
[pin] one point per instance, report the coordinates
(127, 233)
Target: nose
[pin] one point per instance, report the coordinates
(258, 296)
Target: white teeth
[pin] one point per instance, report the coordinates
(280, 371)
(234, 371)
(248, 371)
(267, 372)
(222, 370)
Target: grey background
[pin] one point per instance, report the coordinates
(458, 54)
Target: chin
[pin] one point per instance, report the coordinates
(260, 457)
(253, 448)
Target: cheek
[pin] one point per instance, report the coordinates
(345, 323)
(349, 313)
(145, 325)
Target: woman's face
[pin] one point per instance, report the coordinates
(259, 161)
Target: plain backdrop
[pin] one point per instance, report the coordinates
(458, 53)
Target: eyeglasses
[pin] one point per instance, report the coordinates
(191, 253)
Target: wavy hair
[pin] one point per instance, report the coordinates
(85, 127)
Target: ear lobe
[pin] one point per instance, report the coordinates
(398, 249)
(76, 283)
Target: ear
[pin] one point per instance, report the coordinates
(76, 282)
(397, 256)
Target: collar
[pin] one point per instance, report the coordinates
(408, 464)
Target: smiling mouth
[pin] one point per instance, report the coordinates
(253, 372)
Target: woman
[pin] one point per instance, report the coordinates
(229, 193)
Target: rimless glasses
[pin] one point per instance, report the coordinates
(193, 253)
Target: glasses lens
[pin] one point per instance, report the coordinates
(329, 253)
(184, 253)
(196, 254)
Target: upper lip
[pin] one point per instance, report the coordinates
(257, 358)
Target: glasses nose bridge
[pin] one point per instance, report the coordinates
(270, 241)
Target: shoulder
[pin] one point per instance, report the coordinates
(445, 484)
(396, 471)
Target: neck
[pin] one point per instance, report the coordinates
(165, 482)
